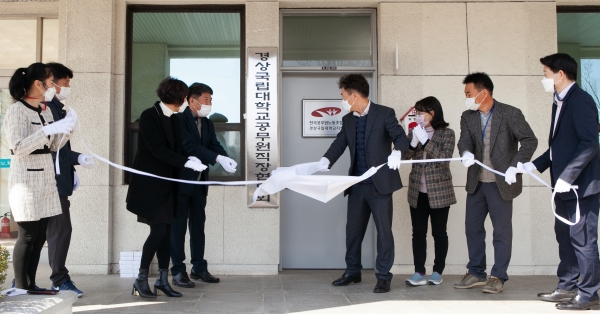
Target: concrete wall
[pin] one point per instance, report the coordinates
(439, 44)
(85, 45)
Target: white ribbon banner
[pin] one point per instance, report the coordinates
(300, 179)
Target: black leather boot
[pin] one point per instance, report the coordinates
(141, 287)
(162, 284)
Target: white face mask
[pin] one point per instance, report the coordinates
(470, 102)
(204, 110)
(49, 94)
(549, 83)
(65, 92)
(421, 121)
(346, 105)
(183, 106)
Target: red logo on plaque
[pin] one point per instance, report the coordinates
(326, 112)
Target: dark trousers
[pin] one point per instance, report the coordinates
(420, 220)
(58, 236)
(158, 242)
(190, 211)
(27, 250)
(363, 200)
(487, 199)
(578, 247)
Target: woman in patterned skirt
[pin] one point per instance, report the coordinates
(32, 193)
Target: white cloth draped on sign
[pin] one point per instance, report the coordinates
(299, 179)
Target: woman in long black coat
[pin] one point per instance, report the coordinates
(153, 200)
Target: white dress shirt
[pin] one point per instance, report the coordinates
(364, 112)
(559, 104)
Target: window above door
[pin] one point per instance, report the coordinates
(328, 40)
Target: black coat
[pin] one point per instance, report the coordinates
(160, 150)
(67, 157)
(205, 147)
(575, 157)
(382, 131)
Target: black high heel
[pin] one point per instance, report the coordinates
(141, 287)
(162, 284)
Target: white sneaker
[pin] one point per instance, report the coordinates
(435, 278)
(416, 280)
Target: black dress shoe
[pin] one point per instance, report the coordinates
(558, 295)
(204, 276)
(576, 304)
(182, 280)
(346, 280)
(382, 286)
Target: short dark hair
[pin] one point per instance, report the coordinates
(431, 103)
(172, 91)
(561, 61)
(59, 71)
(198, 89)
(23, 79)
(481, 81)
(354, 83)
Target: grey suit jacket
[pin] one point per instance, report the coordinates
(382, 131)
(509, 128)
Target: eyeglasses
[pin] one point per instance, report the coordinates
(420, 113)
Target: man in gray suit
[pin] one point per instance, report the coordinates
(491, 132)
(368, 130)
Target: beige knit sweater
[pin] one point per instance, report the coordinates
(32, 191)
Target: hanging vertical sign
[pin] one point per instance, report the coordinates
(262, 138)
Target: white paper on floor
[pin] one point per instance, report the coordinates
(13, 292)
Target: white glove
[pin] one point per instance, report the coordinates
(63, 126)
(394, 159)
(227, 163)
(468, 159)
(525, 167)
(510, 176)
(415, 140)
(195, 164)
(72, 114)
(562, 186)
(323, 165)
(86, 161)
(75, 181)
(420, 133)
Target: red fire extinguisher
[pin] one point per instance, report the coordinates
(5, 222)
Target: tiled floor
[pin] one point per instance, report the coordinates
(308, 291)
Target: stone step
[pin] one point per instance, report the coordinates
(60, 303)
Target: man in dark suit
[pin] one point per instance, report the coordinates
(59, 229)
(491, 132)
(573, 160)
(199, 140)
(369, 131)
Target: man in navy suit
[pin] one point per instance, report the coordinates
(368, 130)
(573, 160)
(199, 140)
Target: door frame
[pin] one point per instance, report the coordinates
(372, 70)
